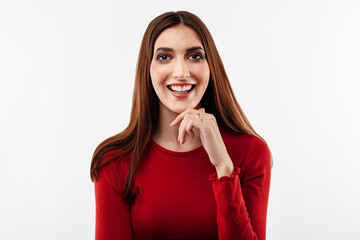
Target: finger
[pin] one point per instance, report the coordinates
(180, 131)
(189, 128)
(176, 121)
(180, 117)
(192, 133)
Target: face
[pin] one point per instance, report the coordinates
(179, 71)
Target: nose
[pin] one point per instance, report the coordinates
(181, 69)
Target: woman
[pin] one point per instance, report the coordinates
(189, 165)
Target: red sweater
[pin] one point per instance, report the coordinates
(179, 195)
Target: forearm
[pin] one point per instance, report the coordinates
(225, 167)
(238, 203)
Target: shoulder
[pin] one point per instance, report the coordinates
(115, 169)
(109, 154)
(242, 141)
(246, 149)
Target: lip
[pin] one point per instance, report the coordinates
(181, 95)
(180, 84)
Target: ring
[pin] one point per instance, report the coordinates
(197, 115)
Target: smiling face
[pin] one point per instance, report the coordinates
(179, 70)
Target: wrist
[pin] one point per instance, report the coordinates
(225, 169)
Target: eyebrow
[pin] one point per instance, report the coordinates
(165, 49)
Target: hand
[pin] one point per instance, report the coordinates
(206, 126)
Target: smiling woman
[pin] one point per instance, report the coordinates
(180, 79)
(189, 165)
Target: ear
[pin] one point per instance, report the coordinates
(202, 109)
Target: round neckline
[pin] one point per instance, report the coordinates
(174, 153)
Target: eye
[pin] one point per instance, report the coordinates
(161, 57)
(197, 56)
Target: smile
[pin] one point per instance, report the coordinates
(181, 89)
(181, 93)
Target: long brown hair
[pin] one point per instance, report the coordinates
(218, 98)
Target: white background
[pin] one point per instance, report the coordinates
(67, 73)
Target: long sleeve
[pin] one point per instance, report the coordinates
(242, 198)
(112, 210)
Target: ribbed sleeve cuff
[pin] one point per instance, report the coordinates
(214, 177)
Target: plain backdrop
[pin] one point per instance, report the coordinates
(67, 73)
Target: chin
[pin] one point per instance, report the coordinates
(178, 110)
(183, 108)
(179, 107)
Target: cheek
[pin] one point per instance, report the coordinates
(152, 73)
(157, 74)
(202, 72)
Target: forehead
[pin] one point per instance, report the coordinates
(179, 37)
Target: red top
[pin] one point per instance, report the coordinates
(179, 195)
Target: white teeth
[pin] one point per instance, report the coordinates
(179, 89)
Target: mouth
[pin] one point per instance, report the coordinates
(179, 91)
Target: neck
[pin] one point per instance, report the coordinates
(169, 134)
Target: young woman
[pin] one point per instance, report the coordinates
(189, 165)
